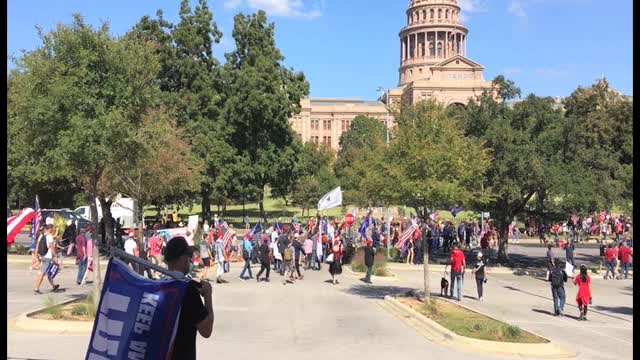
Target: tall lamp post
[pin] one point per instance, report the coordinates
(386, 127)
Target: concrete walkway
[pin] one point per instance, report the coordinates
(526, 301)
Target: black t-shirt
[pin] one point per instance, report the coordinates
(193, 311)
(264, 253)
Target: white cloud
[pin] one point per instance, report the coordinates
(516, 7)
(309, 9)
(470, 6)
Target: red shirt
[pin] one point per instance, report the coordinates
(155, 245)
(625, 253)
(584, 292)
(618, 228)
(457, 260)
(611, 254)
(81, 246)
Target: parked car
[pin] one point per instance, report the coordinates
(81, 223)
(122, 208)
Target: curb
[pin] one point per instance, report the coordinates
(53, 327)
(437, 333)
(393, 276)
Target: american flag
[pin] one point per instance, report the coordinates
(406, 235)
(227, 235)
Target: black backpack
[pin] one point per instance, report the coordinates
(556, 278)
(42, 245)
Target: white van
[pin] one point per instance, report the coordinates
(122, 208)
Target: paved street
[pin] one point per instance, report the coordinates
(308, 318)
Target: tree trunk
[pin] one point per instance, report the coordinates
(261, 201)
(97, 280)
(205, 192)
(427, 274)
(503, 241)
(108, 221)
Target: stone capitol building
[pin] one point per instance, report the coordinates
(433, 65)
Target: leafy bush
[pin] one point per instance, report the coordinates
(19, 249)
(379, 263)
(512, 331)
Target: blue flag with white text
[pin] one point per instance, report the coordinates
(137, 318)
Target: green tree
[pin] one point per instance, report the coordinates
(85, 92)
(261, 95)
(316, 176)
(192, 83)
(523, 162)
(359, 163)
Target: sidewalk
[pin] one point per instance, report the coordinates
(526, 302)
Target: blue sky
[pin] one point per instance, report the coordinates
(347, 48)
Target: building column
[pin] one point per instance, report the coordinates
(415, 45)
(446, 44)
(465, 45)
(402, 49)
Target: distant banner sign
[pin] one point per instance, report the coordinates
(193, 222)
(183, 231)
(137, 318)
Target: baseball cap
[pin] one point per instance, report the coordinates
(177, 247)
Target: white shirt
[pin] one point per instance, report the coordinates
(49, 254)
(129, 245)
(274, 236)
(205, 228)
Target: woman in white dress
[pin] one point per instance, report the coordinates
(276, 255)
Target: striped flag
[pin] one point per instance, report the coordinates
(227, 235)
(17, 223)
(406, 235)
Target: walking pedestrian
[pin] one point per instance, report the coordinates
(481, 277)
(308, 252)
(287, 263)
(81, 255)
(47, 253)
(298, 252)
(583, 297)
(247, 247)
(369, 256)
(264, 252)
(625, 254)
(569, 253)
(205, 254)
(458, 264)
(335, 268)
(610, 256)
(551, 258)
(410, 251)
(558, 277)
(218, 250)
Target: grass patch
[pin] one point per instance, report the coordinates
(82, 309)
(379, 263)
(465, 322)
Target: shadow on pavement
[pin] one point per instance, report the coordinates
(545, 312)
(625, 310)
(376, 292)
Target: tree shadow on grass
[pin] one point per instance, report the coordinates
(377, 292)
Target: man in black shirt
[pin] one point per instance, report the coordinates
(193, 315)
(265, 259)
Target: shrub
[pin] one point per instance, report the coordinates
(379, 263)
(19, 249)
(52, 307)
(431, 307)
(512, 331)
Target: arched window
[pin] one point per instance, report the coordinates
(432, 49)
(424, 14)
(446, 14)
(431, 13)
(439, 49)
(439, 13)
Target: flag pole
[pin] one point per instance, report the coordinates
(115, 252)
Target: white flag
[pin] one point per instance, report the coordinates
(332, 199)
